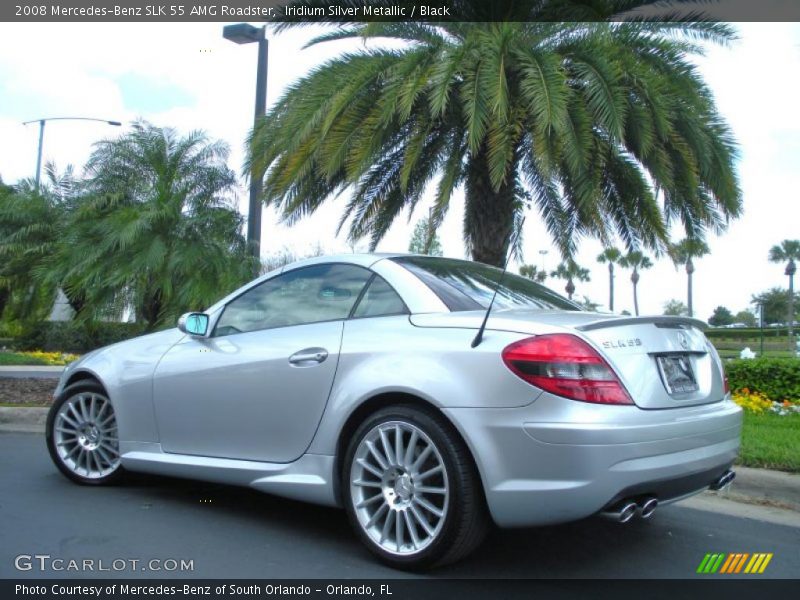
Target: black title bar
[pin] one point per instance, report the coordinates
(344, 11)
(394, 589)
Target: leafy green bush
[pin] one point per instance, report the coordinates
(746, 333)
(778, 378)
(10, 329)
(74, 336)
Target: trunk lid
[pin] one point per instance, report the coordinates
(663, 362)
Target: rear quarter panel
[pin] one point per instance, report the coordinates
(389, 354)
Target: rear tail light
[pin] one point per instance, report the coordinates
(725, 383)
(565, 365)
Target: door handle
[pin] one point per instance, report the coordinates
(308, 357)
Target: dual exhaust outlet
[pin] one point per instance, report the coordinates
(627, 509)
(645, 506)
(725, 479)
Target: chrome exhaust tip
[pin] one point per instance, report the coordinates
(622, 513)
(647, 507)
(627, 512)
(725, 480)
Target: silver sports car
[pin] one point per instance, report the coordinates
(368, 382)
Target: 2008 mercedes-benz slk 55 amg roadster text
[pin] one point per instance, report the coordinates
(367, 382)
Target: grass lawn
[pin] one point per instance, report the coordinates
(771, 441)
(15, 358)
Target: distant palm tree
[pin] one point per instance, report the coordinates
(570, 271)
(159, 230)
(637, 261)
(788, 250)
(581, 120)
(611, 256)
(533, 272)
(682, 253)
(33, 221)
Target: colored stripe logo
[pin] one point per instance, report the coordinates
(736, 562)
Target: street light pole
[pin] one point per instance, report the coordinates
(39, 153)
(244, 33)
(41, 136)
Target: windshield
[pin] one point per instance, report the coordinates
(465, 285)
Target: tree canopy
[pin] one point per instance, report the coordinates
(580, 121)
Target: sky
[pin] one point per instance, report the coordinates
(188, 77)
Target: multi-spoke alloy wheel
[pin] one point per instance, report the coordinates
(82, 435)
(411, 489)
(399, 487)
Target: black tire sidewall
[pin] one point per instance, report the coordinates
(444, 441)
(65, 395)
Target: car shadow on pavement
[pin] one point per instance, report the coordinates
(590, 548)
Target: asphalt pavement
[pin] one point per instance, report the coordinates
(238, 533)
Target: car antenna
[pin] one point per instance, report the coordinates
(479, 336)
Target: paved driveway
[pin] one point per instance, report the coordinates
(232, 532)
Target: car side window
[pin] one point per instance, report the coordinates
(380, 300)
(301, 296)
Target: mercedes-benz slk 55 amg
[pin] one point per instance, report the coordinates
(362, 381)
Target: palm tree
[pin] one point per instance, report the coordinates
(533, 272)
(33, 221)
(637, 261)
(682, 253)
(158, 231)
(569, 270)
(789, 251)
(581, 120)
(611, 256)
(425, 240)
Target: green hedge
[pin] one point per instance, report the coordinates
(746, 333)
(778, 378)
(74, 336)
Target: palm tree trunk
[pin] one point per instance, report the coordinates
(4, 294)
(151, 309)
(611, 286)
(77, 300)
(689, 273)
(489, 213)
(791, 313)
(635, 280)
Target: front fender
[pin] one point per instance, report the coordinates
(126, 372)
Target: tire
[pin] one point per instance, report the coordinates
(435, 502)
(82, 436)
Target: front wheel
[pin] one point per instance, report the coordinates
(82, 435)
(411, 489)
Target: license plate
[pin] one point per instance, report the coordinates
(677, 374)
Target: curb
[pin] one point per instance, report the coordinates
(31, 372)
(25, 420)
(762, 486)
(751, 486)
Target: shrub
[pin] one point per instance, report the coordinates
(777, 378)
(74, 336)
(747, 333)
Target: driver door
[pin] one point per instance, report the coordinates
(256, 388)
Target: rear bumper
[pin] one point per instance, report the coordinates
(557, 460)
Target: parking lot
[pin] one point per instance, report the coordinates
(237, 533)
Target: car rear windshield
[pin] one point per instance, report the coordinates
(464, 285)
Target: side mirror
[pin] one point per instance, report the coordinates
(194, 324)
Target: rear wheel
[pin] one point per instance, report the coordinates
(82, 435)
(411, 490)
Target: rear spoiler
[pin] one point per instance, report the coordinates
(658, 321)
